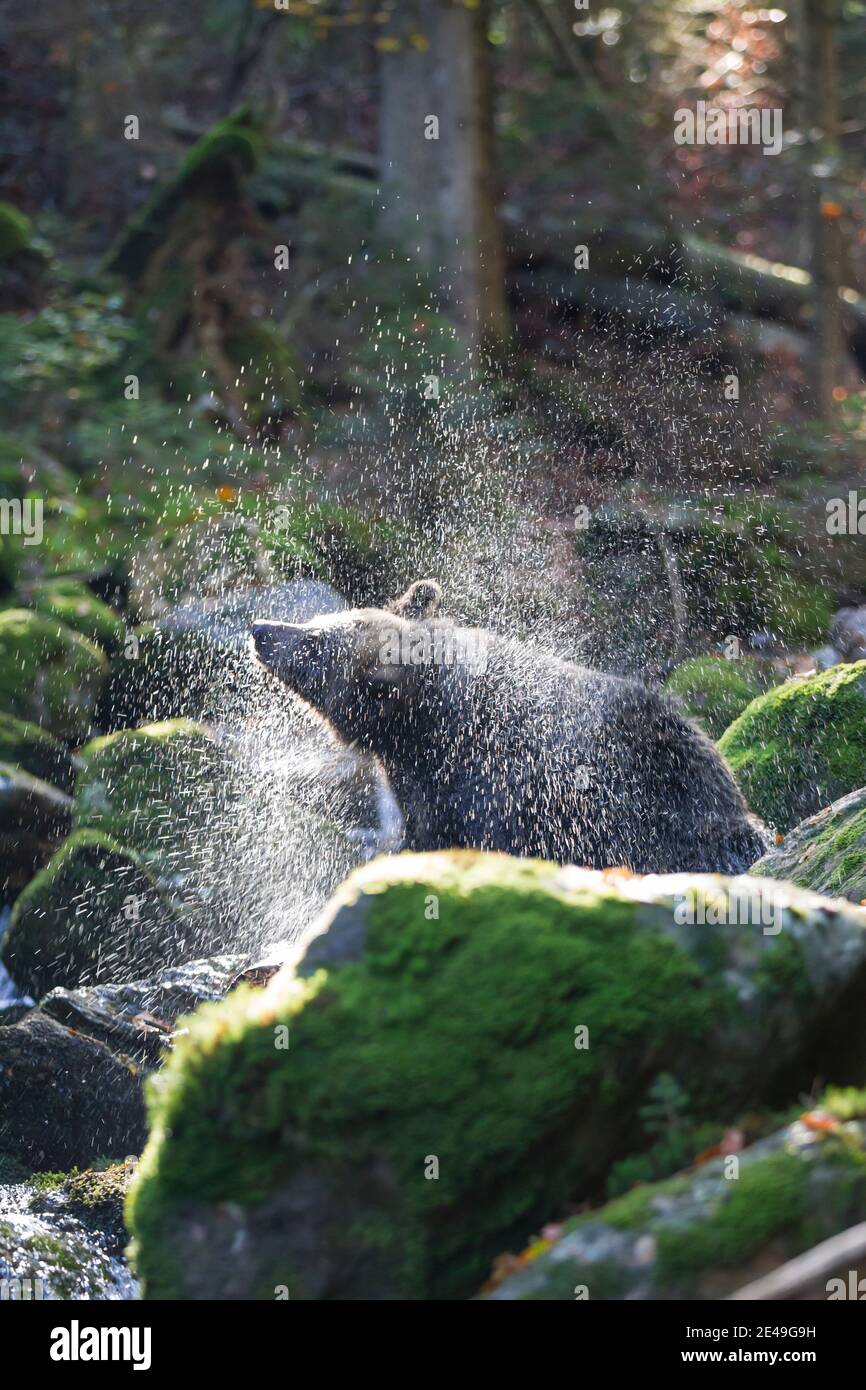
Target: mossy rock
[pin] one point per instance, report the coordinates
(93, 1197)
(16, 233)
(705, 1234)
(826, 853)
(78, 607)
(714, 691)
(49, 674)
(802, 745)
(151, 789)
(26, 745)
(413, 1098)
(93, 913)
(65, 1100)
(34, 818)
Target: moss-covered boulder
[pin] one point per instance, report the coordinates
(93, 913)
(65, 1100)
(26, 745)
(802, 745)
(34, 818)
(714, 691)
(151, 789)
(707, 1233)
(826, 853)
(74, 604)
(49, 674)
(465, 1046)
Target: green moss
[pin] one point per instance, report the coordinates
(826, 853)
(211, 175)
(784, 970)
(92, 911)
(147, 788)
(799, 612)
(26, 745)
(15, 231)
(79, 608)
(714, 691)
(451, 1037)
(48, 673)
(801, 745)
(769, 1197)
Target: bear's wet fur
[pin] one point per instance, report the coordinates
(495, 744)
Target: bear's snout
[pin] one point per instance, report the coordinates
(275, 642)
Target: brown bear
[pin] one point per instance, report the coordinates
(495, 744)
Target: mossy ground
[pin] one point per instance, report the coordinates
(802, 745)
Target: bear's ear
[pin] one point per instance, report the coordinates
(421, 600)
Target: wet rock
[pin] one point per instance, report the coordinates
(139, 1019)
(705, 1234)
(467, 1044)
(93, 1198)
(826, 853)
(54, 1255)
(714, 691)
(848, 633)
(49, 674)
(92, 914)
(801, 746)
(65, 1100)
(34, 818)
(153, 790)
(28, 746)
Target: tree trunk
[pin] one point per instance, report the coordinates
(439, 190)
(821, 112)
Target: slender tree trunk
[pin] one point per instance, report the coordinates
(440, 193)
(821, 112)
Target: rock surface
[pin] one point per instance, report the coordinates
(65, 1100)
(418, 1090)
(704, 1234)
(802, 745)
(34, 818)
(93, 913)
(826, 853)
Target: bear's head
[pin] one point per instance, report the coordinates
(364, 668)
